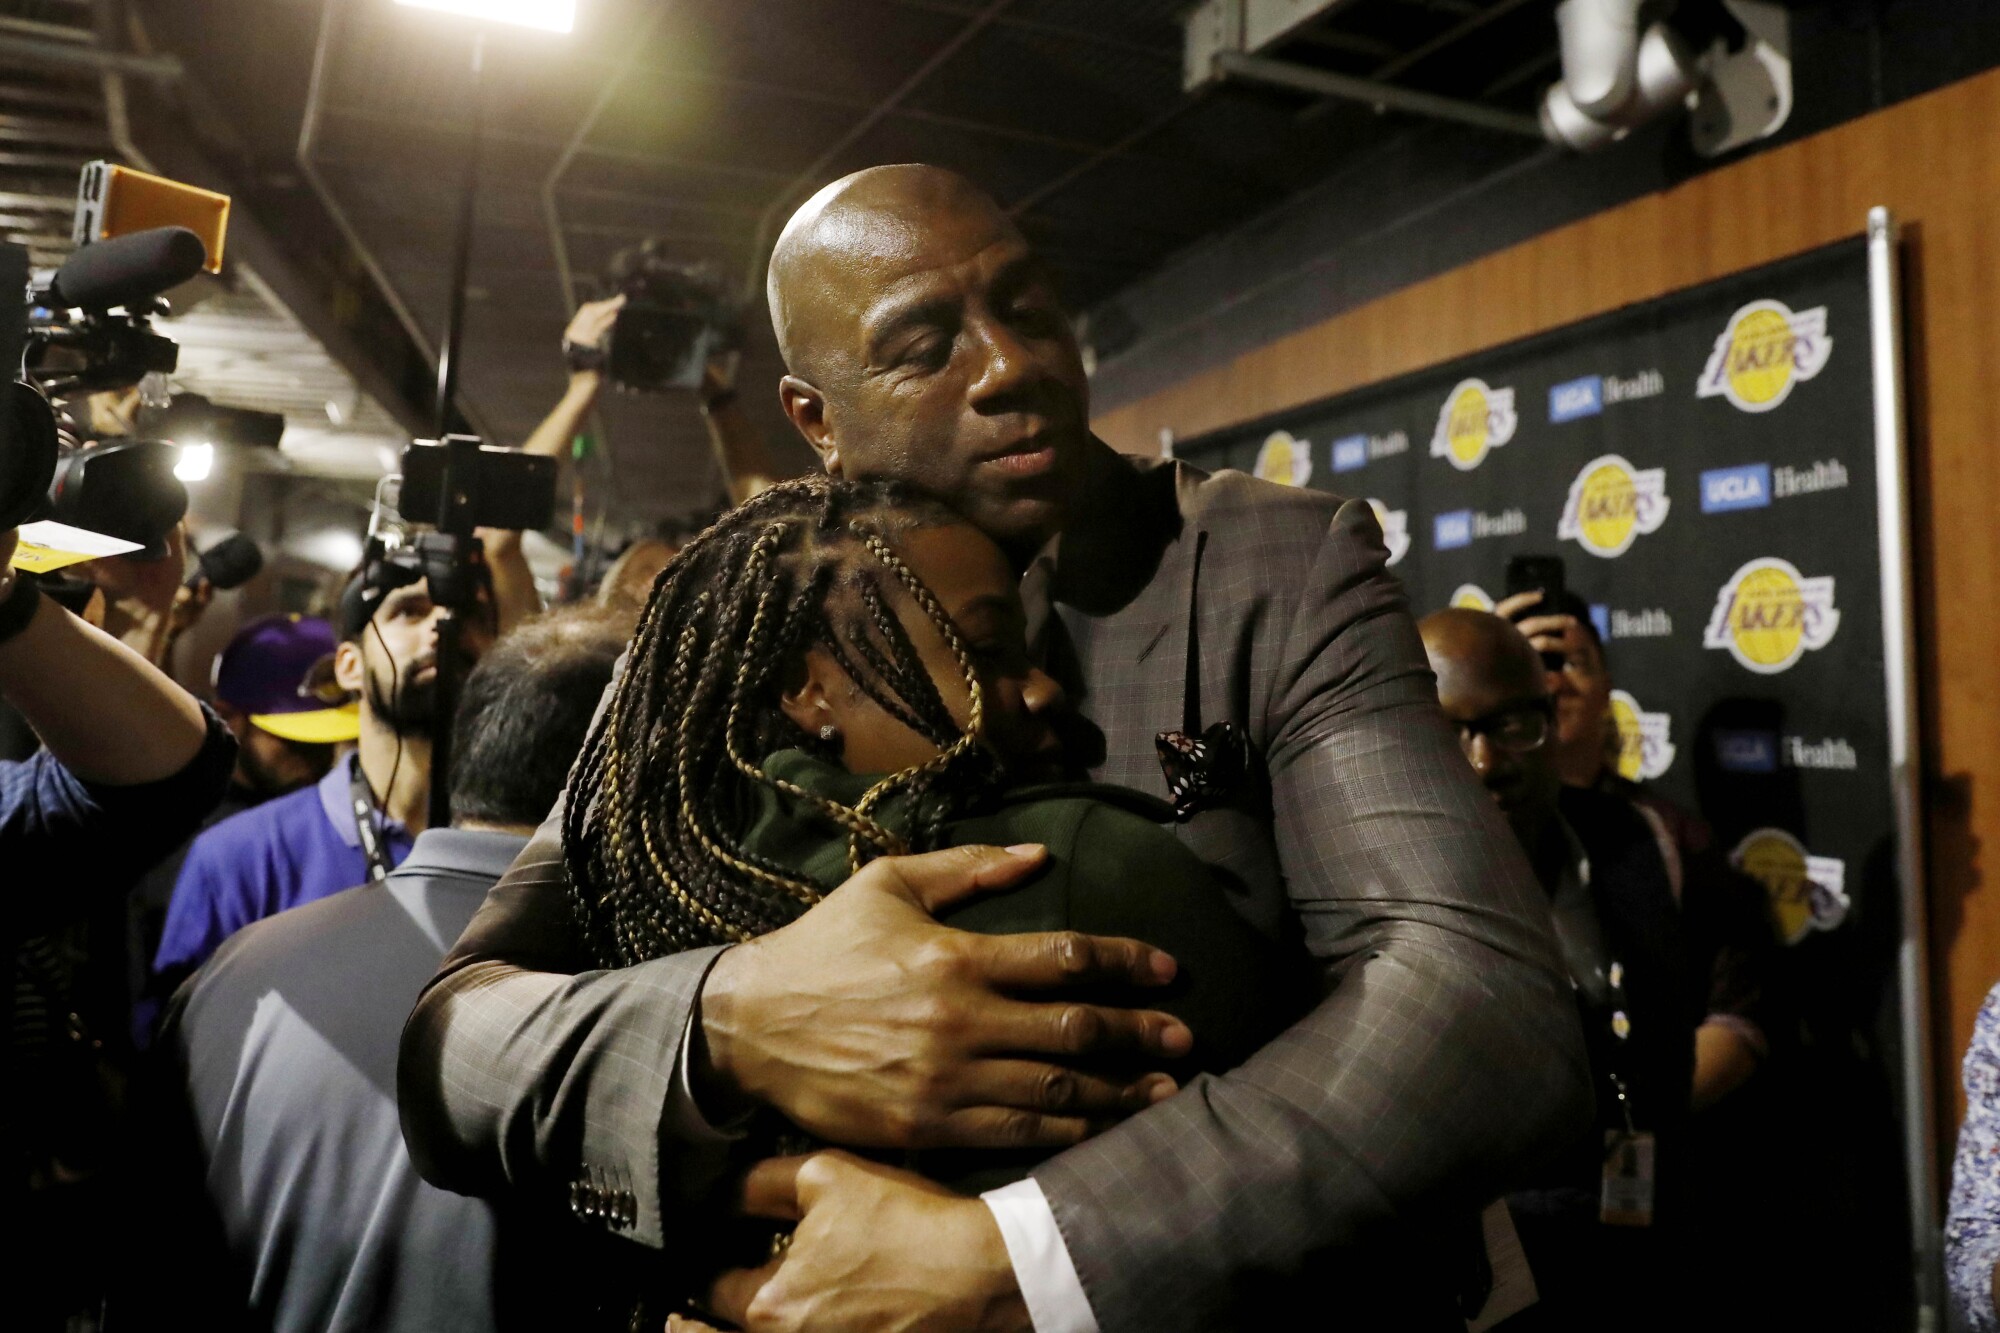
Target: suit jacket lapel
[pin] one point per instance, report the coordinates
(1121, 592)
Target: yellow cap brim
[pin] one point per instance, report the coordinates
(322, 726)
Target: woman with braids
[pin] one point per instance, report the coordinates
(839, 671)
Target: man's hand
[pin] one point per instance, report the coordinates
(1583, 662)
(591, 324)
(876, 1250)
(867, 1023)
(139, 596)
(9, 540)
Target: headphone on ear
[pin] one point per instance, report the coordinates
(383, 570)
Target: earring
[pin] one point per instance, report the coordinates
(829, 733)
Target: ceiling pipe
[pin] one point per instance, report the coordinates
(551, 212)
(1394, 97)
(39, 52)
(308, 135)
(1616, 76)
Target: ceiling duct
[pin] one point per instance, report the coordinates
(1623, 69)
(1224, 39)
(1615, 76)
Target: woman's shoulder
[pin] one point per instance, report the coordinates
(1058, 814)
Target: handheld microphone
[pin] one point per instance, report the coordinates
(127, 270)
(230, 563)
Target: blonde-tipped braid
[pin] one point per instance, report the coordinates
(654, 825)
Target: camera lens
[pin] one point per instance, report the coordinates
(27, 454)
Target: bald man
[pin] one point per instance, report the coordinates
(1599, 1222)
(924, 341)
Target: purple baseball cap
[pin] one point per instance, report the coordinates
(268, 671)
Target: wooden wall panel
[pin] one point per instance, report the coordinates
(1936, 162)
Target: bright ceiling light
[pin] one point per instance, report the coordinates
(332, 548)
(548, 15)
(196, 462)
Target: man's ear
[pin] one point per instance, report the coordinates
(806, 406)
(813, 691)
(349, 671)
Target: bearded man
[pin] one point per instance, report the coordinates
(356, 824)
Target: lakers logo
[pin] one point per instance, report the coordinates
(1765, 351)
(1806, 892)
(1769, 615)
(1287, 461)
(1475, 420)
(1645, 740)
(1395, 529)
(1611, 503)
(1471, 597)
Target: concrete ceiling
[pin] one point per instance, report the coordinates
(705, 121)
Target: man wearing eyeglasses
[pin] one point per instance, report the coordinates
(1600, 1225)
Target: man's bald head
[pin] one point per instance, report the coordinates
(1491, 684)
(1478, 653)
(927, 344)
(854, 229)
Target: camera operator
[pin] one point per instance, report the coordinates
(130, 763)
(358, 822)
(739, 448)
(124, 748)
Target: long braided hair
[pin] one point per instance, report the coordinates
(665, 787)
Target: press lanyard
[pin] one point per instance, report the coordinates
(372, 848)
(1625, 1195)
(1621, 1033)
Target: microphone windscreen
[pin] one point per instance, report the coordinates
(128, 269)
(231, 562)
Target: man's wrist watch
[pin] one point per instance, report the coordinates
(18, 607)
(585, 356)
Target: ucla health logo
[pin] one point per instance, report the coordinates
(1764, 352)
(1589, 395)
(1645, 740)
(1573, 399)
(1611, 503)
(1395, 529)
(1282, 459)
(1806, 892)
(1769, 615)
(1475, 420)
(1727, 488)
(1471, 597)
(1461, 527)
(1353, 452)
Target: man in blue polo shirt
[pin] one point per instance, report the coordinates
(357, 823)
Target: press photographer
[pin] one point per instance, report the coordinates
(129, 764)
(664, 329)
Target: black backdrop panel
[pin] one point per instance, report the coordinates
(1705, 465)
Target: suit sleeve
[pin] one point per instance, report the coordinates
(1444, 1058)
(524, 1074)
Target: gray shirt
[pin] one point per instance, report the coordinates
(286, 1041)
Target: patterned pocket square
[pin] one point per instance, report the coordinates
(1202, 770)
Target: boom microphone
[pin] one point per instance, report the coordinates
(127, 270)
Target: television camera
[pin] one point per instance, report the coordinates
(87, 328)
(675, 317)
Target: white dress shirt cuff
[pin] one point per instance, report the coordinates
(684, 1120)
(1042, 1267)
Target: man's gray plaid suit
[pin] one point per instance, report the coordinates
(1443, 1061)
